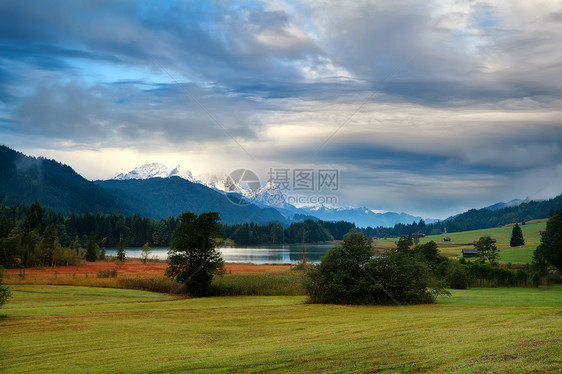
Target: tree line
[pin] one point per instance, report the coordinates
(309, 231)
(32, 236)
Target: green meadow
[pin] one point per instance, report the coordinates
(62, 329)
(464, 239)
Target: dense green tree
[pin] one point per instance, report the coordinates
(487, 250)
(92, 250)
(193, 258)
(516, 237)
(457, 277)
(5, 293)
(34, 219)
(348, 274)
(49, 247)
(404, 243)
(549, 252)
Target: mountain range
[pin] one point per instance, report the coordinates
(158, 191)
(270, 196)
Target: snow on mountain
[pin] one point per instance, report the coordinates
(156, 170)
(271, 196)
(144, 172)
(178, 171)
(214, 182)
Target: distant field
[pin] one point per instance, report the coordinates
(460, 240)
(63, 329)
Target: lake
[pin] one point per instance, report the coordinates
(265, 254)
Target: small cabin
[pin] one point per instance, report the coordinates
(494, 240)
(446, 239)
(470, 253)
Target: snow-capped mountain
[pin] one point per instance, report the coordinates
(156, 170)
(362, 216)
(270, 196)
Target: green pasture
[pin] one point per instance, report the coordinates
(464, 239)
(61, 329)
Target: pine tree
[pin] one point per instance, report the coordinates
(92, 249)
(516, 237)
(549, 252)
(193, 258)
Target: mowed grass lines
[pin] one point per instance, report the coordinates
(61, 329)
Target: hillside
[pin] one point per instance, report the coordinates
(164, 197)
(475, 219)
(55, 185)
(464, 239)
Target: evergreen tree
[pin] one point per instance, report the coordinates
(404, 243)
(49, 246)
(193, 257)
(549, 252)
(516, 237)
(92, 249)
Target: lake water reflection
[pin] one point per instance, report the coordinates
(266, 254)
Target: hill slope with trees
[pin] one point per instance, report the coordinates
(54, 185)
(165, 197)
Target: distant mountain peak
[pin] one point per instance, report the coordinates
(156, 170)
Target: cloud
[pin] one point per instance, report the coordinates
(124, 113)
(419, 104)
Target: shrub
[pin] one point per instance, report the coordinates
(553, 278)
(348, 274)
(107, 273)
(457, 277)
(536, 279)
(5, 292)
(521, 277)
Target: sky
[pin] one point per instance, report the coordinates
(424, 107)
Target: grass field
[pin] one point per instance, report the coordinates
(460, 240)
(100, 330)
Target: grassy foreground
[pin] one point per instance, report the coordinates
(101, 330)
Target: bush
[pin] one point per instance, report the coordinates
(349, 275)
(536, 279)
(553, 278)
(107, 273)
(521, 277)
(5, 292)
(457, 277)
